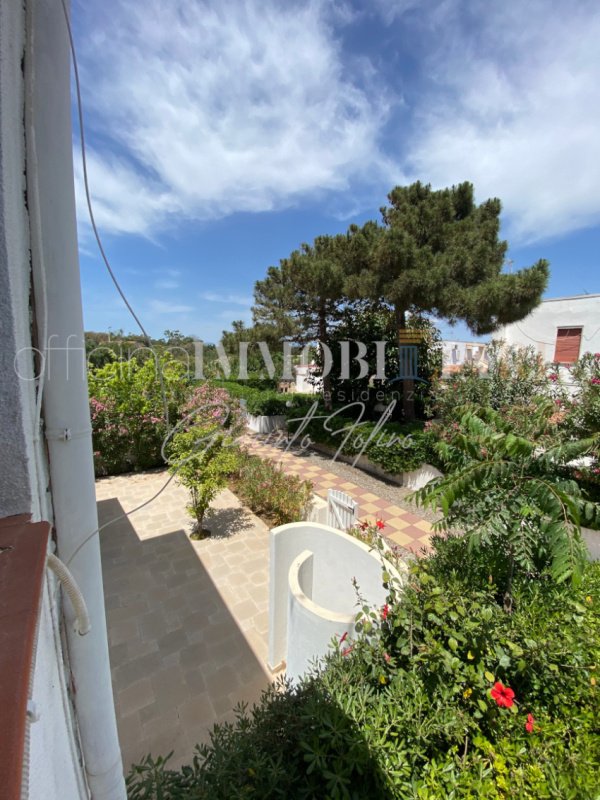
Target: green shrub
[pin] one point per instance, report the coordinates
(511, 499)
(407, 711)
(395, 447)
(261, 401)
(127, 412)
(269, 492)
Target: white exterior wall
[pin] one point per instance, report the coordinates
(303, 373)
(540, 327)
(55, 772)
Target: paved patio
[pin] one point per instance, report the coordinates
(187, 621)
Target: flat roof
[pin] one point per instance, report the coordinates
(571, 297)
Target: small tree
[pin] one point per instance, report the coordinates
(203, 453)
(202, 459)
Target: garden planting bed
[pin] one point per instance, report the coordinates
(413, 480)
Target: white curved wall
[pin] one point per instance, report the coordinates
(312, 597)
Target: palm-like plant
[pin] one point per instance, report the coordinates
(513, 498)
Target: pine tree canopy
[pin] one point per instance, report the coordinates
(439, 252)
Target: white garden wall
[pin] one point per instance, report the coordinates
(311, 596)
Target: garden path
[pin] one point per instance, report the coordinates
(404, 528)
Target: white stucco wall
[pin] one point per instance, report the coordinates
(55, 772)
(539, 329)
(308, 606)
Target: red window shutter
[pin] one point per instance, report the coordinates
(568, 342)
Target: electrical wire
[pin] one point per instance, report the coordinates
(90, 208)
(115, 281)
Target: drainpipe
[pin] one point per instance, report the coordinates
(65, 395)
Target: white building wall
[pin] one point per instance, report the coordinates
(540, 327)
(55, 771)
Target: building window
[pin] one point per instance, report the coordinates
(568, 342)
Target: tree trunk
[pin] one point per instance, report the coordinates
(326, 378)
(408, 384)
(508, 600)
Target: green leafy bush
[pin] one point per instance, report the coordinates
(395, 447)
(127, 412)
(269, 492)
(259, 401)
(515, 376)
(511, 498)
(441, 695)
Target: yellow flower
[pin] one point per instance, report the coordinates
(593, 681)
(470, 656)
(467, 693)
(588, 599)
(382, 679)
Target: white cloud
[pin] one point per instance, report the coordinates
(164, 307)
(517, 111)
(236, 299)
(166, 284)
(390, 10)
(244, 106)
(123, 199)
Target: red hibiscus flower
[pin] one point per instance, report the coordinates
(530, 723)
(503, 695)
(387, 657)
(380, 524)
(343, 637)
(385, 611)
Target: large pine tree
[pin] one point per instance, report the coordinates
(437, 251)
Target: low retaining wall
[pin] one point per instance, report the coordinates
(592, 539)
(415, 479)
(266, 424)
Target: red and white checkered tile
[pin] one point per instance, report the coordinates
(401, 527)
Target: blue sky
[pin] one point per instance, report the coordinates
(222, 135)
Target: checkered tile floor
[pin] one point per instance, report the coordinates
(401, 527)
